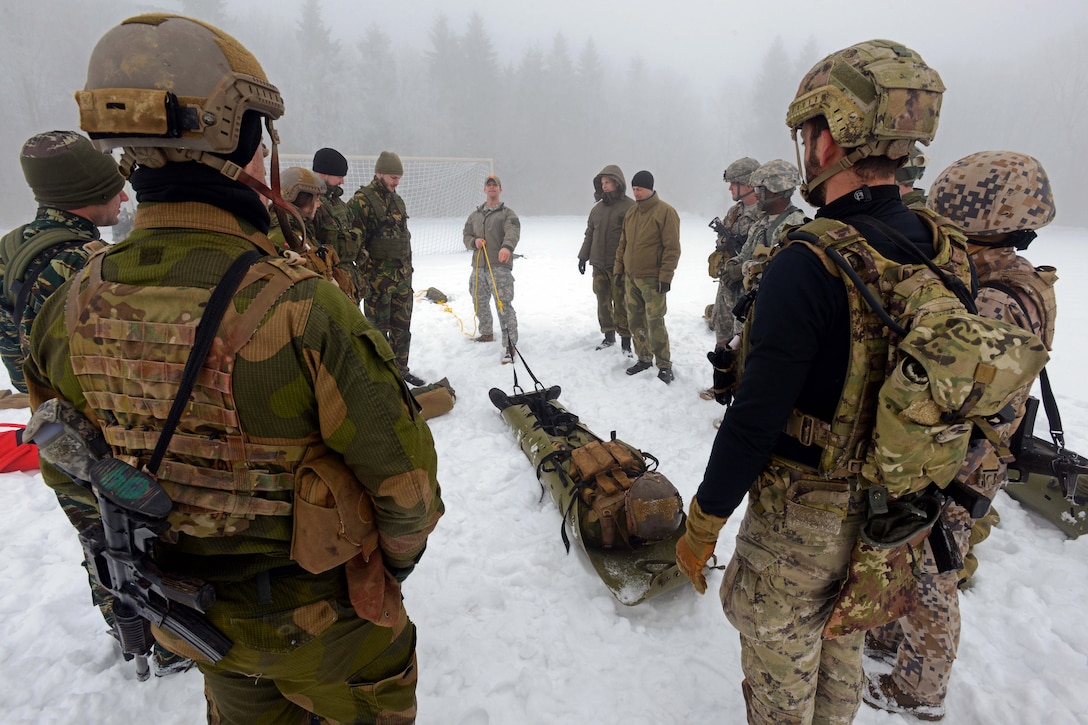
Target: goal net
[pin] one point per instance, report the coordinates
(439, 194)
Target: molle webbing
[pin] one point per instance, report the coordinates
(391, 240)
(604, 472)
(211, 466)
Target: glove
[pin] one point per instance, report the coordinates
(696, 546)
(663, 287)
(581, 266)
(724, 361)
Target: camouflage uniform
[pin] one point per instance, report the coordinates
(84, 238)
(381, 217)
(738, 220)
(501, 228)
(599, 249)
(916, 197)
(647, 255)
(332, 226)
(304, 390)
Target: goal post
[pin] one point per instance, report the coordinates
(439, 193)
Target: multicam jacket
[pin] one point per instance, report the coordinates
(381, 216)
(63, 258)
(297, 383)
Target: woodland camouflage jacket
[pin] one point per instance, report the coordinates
(312, 380)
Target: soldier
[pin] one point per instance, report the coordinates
(78, 190)
(332, 222)
(297, 395)
(599, 250)
(910, 174)
(804, 369)
(999, 199)
(301, 188)
(648, 253)
(377, 210)
(493, 230)
(773, 183)
(731, 238)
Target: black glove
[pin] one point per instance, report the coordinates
(663, 287)
(400, 573)
(581, 266)
(724, 361)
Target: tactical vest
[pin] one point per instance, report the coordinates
(216, 475)
(846, 437)
(1004, 270)
(390, 240)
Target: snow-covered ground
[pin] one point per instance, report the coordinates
(511, 630)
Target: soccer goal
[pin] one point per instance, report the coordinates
(438, 192)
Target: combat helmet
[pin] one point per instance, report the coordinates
(993, 193)
(740, 171)
(879, 98)
(915, 167)
(651, 510)
(295, 180)
(778, 177)
(167, 88)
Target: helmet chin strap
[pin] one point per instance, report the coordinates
(873, 148)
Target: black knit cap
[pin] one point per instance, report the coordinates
(331, 162)
(643, 179)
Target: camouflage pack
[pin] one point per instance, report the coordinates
(947, 372)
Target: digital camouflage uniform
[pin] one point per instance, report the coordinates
(738, 220)
(332, 226)
(647, 255)
(387, 295)
(80, 238)
(500, 227)
(599, 249)
(305, 392)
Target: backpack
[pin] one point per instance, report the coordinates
(949, 374)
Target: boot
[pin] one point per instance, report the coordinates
(608, 341)
(882, 693)
(638, 367)
(485, 337)
(625, 345)
(665, 375)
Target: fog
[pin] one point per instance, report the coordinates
(554, 91)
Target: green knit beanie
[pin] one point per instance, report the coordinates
(64, 170)
(389, 163)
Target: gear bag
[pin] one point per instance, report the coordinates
(949, 372)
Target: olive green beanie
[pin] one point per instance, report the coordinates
(64, 170)
(389, 163)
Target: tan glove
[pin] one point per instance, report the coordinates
(696, 546)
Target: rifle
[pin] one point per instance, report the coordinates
(134, 510)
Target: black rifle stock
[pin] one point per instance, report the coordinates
(134, 510)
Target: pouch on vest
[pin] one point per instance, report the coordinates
(333, 517)
(880, 587)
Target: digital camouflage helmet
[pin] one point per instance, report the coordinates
(167, 88)
(993, 193)
(879, 98)
(778, 177)
(740, 171)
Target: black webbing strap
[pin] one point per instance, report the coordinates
(205, 335)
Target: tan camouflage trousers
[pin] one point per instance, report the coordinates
(646, 311)
(611, 306)
(927, 639)
(318, 658)
(388, 305)
(479, 283)
(792, 555)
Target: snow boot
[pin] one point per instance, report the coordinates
(608, 341)
(638, 367)
(665, 375)
(625, 345)
(882, 693)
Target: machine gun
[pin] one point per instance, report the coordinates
(134, 510)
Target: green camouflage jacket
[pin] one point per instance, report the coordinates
(84, 238)
(383, 219)
(312, 380)
(333, 226)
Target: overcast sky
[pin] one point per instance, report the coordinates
(710, 40)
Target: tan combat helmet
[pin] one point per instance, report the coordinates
(878, 97)
(740, 171)
(993, 193)
(295, 180)
(167, 88)
(912, 171)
